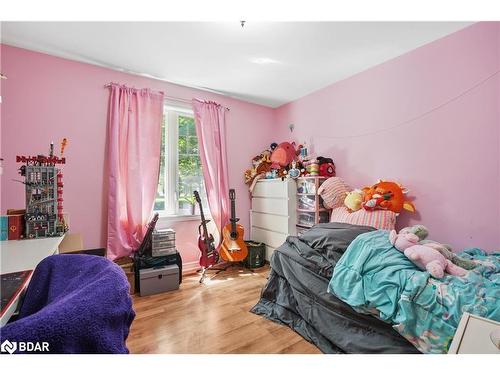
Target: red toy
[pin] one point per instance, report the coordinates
(326, 167)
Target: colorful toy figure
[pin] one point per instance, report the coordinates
(295, 170)
(386, 195)
(64, 143)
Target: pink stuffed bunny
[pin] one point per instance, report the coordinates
(424, 257)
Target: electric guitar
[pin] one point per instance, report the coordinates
(146, 243)
(206, 243)
(233, 248)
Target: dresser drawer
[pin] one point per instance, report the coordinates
(270, 238)
(271, 222)
(270, 206)
(271, 189)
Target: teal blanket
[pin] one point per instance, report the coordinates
(375, 278)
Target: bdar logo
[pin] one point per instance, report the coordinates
(8, 347)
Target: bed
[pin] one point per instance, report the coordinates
(375, 278)
(346, 289)
(296, 295)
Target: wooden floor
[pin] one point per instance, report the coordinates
(212, 317)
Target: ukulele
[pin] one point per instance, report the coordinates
(206, 243)
(233, 248)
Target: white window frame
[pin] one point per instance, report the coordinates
(172, 112)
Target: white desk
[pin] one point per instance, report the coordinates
(24, 255)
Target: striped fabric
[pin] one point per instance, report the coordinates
(380, 219)
(333, 192)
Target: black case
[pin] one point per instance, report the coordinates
(256, 255)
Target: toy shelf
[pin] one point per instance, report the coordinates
(310, 210)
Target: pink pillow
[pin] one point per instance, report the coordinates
(380, 219)
(333, 192)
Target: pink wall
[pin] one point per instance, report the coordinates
(47, 98)
(449, 159)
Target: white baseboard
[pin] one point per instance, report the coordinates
(189, 267)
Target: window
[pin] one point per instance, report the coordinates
(180, 166)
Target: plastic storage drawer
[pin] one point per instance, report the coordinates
(159, 252)
(166, 243)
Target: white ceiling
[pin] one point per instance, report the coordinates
(269, 63)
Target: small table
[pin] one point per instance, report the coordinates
(473, 336)
(24, 255)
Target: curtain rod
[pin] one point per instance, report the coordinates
(174, 98)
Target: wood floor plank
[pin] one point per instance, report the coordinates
(212, 317)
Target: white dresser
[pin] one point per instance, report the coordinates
(273, 215)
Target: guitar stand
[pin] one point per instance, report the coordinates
(221, 267)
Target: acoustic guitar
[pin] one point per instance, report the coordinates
(233, 248)
(206, 242)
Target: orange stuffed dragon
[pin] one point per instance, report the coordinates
(386, 195)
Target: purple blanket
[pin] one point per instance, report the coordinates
(77, 304)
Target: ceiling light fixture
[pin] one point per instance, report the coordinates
(264, 61)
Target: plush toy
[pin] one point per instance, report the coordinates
(283, 155)
(272, 174)
(261, 164)
(354, 200)
(424, 257)
(333, 192)
(282, 172)
(386, 195)
(421, 232)
(312, 167)
(326, 167)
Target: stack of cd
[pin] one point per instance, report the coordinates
(163, 242)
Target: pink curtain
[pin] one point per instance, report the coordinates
(134, 141)
(211, 131)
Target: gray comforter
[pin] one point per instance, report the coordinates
(296, 295)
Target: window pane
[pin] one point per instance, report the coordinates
(182, 144)
(183, 126)
(159, 204)
(191, 127)
(190, 174)
(192, 145)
